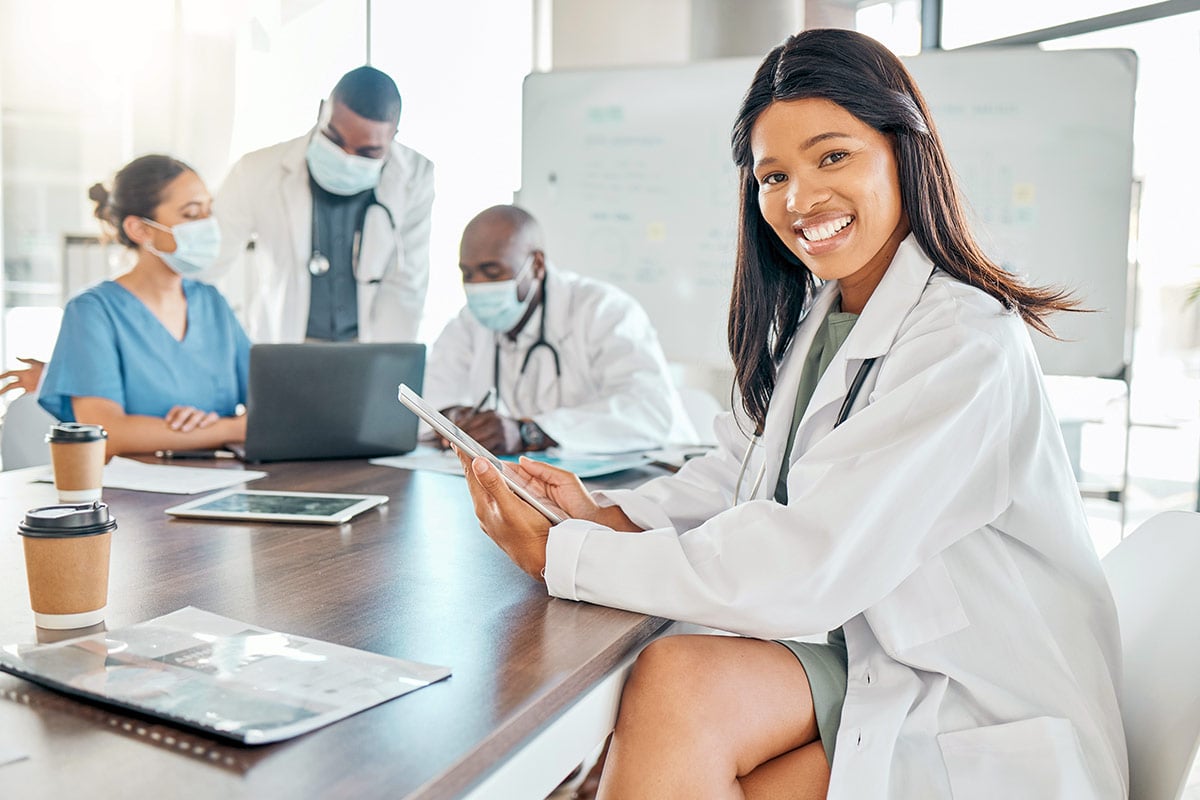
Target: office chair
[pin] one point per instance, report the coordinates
(702, 408)
(1152, 573)
(23, 434)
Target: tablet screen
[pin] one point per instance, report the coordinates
(313, 505)
(251, 504)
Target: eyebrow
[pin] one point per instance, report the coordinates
(189, 204)
(808, 144)
(340, 141)
(481, 266)
(332, 129)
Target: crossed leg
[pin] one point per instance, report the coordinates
(715, 717)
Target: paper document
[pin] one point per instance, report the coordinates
(585, 465)
(220, 676)
(424, 457)
(125, 473)
(9, 754)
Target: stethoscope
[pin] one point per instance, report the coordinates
(540, 341)
(843, 413)
(318, 262)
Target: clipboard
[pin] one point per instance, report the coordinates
(447, 429)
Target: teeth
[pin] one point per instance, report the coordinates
(824, 231)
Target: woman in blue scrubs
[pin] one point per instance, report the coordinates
(155, 357)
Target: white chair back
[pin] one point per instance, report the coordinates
(702, 408)
(1153, 575)
(23, 434)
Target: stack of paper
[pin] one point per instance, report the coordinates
(125, 473)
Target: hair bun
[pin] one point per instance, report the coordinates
(99, 195)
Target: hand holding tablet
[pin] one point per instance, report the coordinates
(466, 444)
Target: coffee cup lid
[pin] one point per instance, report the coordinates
(76, 432)
(68, 519)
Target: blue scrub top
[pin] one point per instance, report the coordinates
(111, 345)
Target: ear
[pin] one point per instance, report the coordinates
(137, 230)
(539, 264)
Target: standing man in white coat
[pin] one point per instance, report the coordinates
(895, 477)
(542, 357)
(340, 221)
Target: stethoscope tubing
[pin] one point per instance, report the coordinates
(540, 341)
(856, 385)
(318, 256)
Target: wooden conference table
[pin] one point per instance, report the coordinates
(415, 579)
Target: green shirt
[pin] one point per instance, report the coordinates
(833, 331)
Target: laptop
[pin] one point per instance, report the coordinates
(329, 400)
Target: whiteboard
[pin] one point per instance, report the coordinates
(629, 172)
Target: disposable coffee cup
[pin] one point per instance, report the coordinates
(77, 453)
(66, 563)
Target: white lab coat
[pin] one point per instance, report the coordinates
(266, 196)
(615, 393)
(940, 525)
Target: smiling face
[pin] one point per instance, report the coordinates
(829, 187)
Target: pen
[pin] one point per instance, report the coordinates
(483, 401)
(193, 453)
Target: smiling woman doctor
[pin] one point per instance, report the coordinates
(937, 532)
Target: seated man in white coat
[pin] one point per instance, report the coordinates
(340, 221)
(541, 357)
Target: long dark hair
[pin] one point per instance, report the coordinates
(136, 191)
(772, 288)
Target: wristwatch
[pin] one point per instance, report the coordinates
(532, 437)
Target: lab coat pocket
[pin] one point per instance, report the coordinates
(1033, 759)
(924, 607)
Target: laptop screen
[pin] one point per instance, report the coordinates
(330, 400)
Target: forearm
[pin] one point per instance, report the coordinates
(135, 433)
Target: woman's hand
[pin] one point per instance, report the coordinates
(25, 379)
(566, 491)
(187, 419)
(514, 525)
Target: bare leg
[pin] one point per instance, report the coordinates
(699, 713)
(802, 774)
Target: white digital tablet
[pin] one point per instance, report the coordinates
(438, 421)
(248, 504)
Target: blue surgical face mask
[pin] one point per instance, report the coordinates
(339, 172)
(496, 304)
(197, 245)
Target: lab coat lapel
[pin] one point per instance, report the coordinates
(297, 198)
(393, 181)
(380, 248)
(897, 294)
(787, 381)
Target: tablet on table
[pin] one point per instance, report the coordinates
(276, 506)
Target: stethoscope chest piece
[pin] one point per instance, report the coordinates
(318, 264)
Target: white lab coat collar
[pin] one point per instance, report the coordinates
(896, 295)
